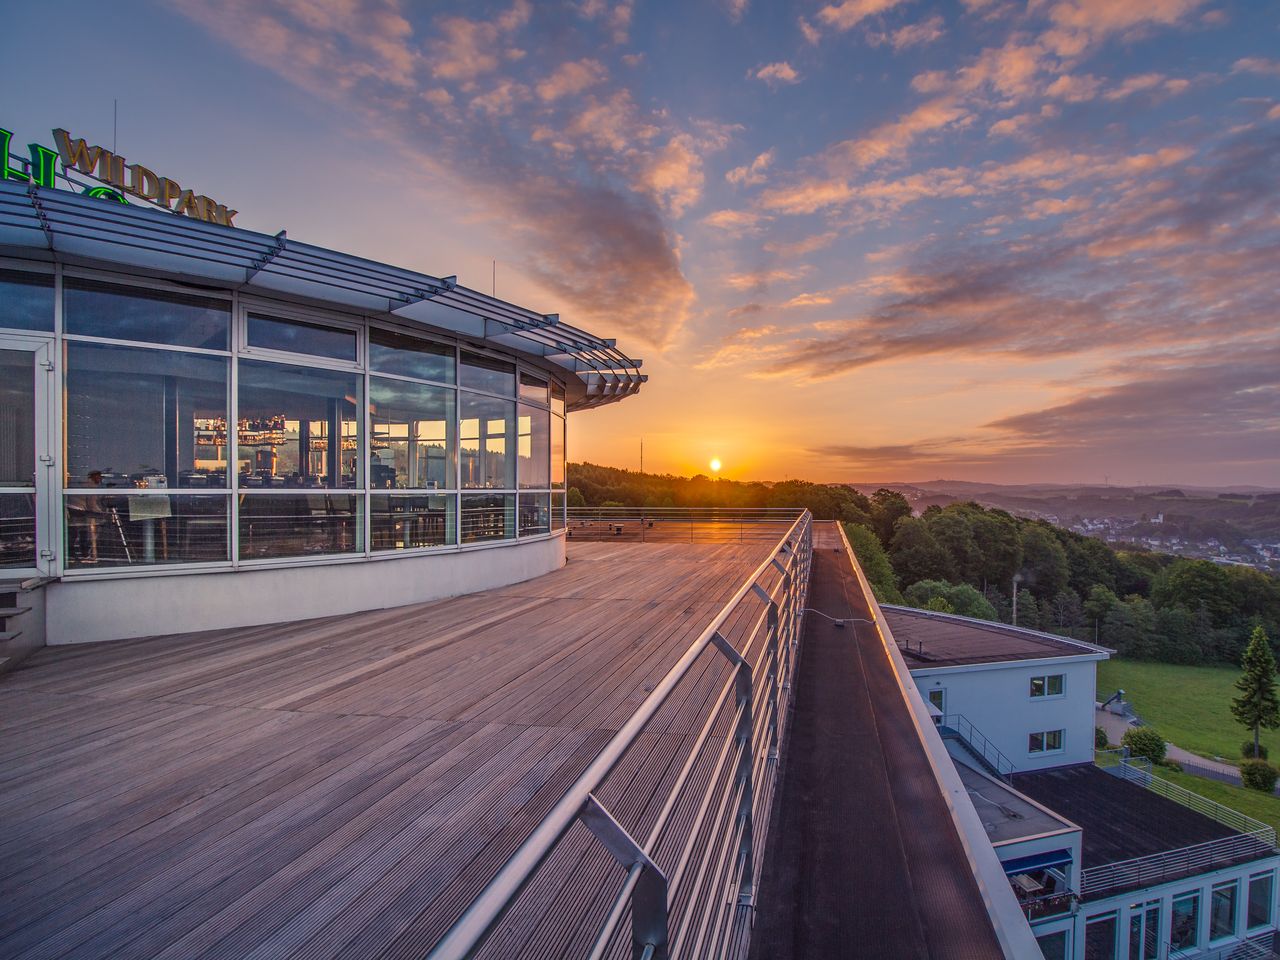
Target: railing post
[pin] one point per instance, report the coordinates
(649, 898)
(746, 724)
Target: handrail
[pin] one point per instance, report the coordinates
(712, 524)
(744, 803)
(979, 742)
(1252, 838)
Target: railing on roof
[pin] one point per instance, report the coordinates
(688, 524)
(958, 725)
(1252, 838)
(688, 885)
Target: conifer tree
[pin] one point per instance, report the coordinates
(1257, 706)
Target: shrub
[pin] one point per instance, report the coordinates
(1259, 775)
(1144, 742)
(1100, 741)
(1246, 751)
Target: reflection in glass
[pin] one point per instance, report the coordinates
(111, 530)
(1100, 938)
(535, 444)
(140, 417)
(135, 313)
(486, 435)
(274, 333)
(1222, 910)
(557, 452)
(1144, 931)
(1185, 927)
(533, 388)
(288, 416)
(488, 516)
(1260, 898)
(486, 373)
(17, 418)
(557, 399)
(26, 300)
(412, 445)
(299, 525)
(557, 511)
(408, 356)
(17, 530)
(1053, 946)
(535, 513)
(405, 521)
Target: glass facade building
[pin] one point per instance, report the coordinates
(145, 424)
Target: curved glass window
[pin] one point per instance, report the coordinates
(404, 521)
(412, 445)
(535, 448)
(119, 529)
(405, 356)
(299, 525)
(26, 300)
(535, 513)
(487, 440)
(94, 309)
(139, 417)
(557, 452)
(533, 388)
(488, 516)
(486, 373)
(296, 336)
(298, 426)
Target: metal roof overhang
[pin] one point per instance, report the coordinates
(61, 226)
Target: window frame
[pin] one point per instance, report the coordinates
(1045, 750)
(1269, 875)
(1234, 885)
(1044, 679)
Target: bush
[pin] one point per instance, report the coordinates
(1100, 741)
(1259, 775)
(1246, 751)
(1144, 742)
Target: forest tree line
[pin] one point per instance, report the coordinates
(963, 558)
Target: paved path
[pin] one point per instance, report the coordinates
(1116, 726)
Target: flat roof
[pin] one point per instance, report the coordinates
(1006, 814)
(929, 639)
(1120, 820)
(865, 858)
(345, 786)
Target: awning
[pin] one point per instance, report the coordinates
(1038, 861)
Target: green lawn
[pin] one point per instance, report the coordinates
(1260, 806)
(1190, 706)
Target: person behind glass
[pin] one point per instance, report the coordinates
(85, 515)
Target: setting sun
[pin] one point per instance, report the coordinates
(715, 464)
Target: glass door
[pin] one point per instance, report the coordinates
(26, 459)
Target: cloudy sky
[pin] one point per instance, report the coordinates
(1007, 240)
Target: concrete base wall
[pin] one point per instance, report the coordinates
(86, 611)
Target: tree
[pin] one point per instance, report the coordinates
(1044, 562)
(1099, 603)
(1144, 742)
(1257, 706)
(1131, 628)
(916, 555)
(996, 534)
(887, 508)
(575, 498)
(960, 598)
(1195, 583)
(954, 533)
(874, 562)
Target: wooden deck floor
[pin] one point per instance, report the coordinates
(342, 787)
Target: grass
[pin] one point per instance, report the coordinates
(1190, 706)
(1252, 803)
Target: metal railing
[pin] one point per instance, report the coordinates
(958, 725)
(1252, 839)
(686, 524)
(688, 890)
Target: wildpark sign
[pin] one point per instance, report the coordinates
(118, 177)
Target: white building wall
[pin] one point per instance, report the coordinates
(117, 608)
(996, 699)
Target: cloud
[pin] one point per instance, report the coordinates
(1257, 65)
(912, 35)
(776, 73)
(849, 13)
(1079, 24)
(616, 18)
(1147, 83)
(737, 9)
(793, 249)
(751, 174)
(465, 49)
(1074, 89)
(811, 33)
(571, 78)
(736, 220)
(808, 300)
(759, 280)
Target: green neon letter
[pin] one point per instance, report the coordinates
(42, 164)
(10, 172)
(106, 193)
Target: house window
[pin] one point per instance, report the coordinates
(1046, 741)
(1184, 931)
(938, 698)
(1100, 938)
(1144, 930)
(1261, 896)
(1222, 910)
(1047, 686)
(1053, 946)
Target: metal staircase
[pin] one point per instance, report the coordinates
(955, 727)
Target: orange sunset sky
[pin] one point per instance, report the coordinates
(1007, 240)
